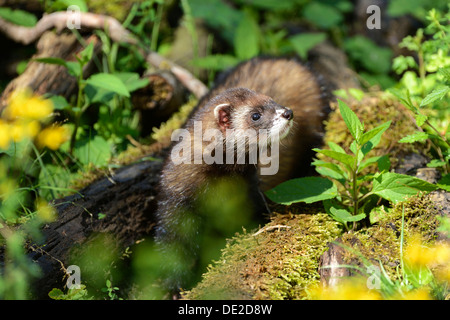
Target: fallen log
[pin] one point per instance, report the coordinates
(127, 201)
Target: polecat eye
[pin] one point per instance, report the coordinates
(256, 116)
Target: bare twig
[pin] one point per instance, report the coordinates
(115, 31)
(59, 20)
(185, 77)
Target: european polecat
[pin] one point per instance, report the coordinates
(253, 105)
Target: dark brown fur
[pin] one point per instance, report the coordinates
(287, 83)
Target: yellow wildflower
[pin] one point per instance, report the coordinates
(418, 255)
(45, 212)
(23, 105)
(53, 137)
(22, 129)
(347, 290)
(417, 294)
(5, 136)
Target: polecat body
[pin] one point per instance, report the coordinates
(263, 95)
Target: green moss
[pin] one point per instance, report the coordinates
(280, 262)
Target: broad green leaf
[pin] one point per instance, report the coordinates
(444, 182)
(303, 42)
(351, 120)
(343, 216)
(132, 80)
(109, 82)
(418, 136)
(308, 190)
(95, 150)
(332, 166)
(246, 39)
(436, 94)
(59, 102)
(19, 17)
(397, 187)
(346, 159)
(322, 15)
(216, 62)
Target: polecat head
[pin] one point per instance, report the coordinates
(241, 109)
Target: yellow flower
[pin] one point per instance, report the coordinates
(5, 136)
(418, 255)
(22, 129)
(23, 105)
(53, 137)
(45, 212)
(417, 294)
(347, 290)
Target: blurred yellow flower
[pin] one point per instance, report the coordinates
(347, 290)
(418, 255)
(5, 136)
(23, 105)
(45, 212)
(53, 137)
(417, 294)
(22, 129)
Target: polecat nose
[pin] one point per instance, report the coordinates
(288, 114)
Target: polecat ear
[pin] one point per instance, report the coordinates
(222, 112)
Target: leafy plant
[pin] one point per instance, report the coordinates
(348, 193)
(424, 94)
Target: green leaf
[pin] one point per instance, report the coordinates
(95, 150)
(73, 67)
(346, 159)
(303, 42)
(420, 119)
(444, 182)
(322, 15)
(418, 136)
(436, 94)
(109, 82)
(436, 163)
(351, 120)
(86, 54)
(397, 187)
(216, 62)
(132, 80)
(339, 173)
(59, 102)
(246, 39)
(308, 190)
(374, 135)
(19, 17)
(344, 216)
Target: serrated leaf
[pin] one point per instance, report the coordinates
(308, 190)
(397, 187)
(374, 135)
(346, 159)
(95, 150)
(436, 163)
(351, 120)
(444, 182)
(420, 119)
(109, 82)
(434, 95)
(418, 136)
